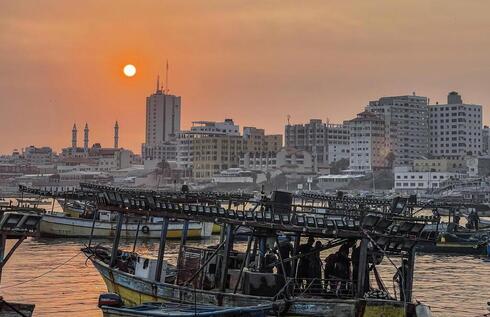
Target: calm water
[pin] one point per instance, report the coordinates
(452, 286)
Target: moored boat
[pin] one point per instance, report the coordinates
(60, 225)
(184, 310)
(226, 276)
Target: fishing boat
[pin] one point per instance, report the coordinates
(180, 310)
(15, 223)
(453, 238)
(224, 276)
(102, 224)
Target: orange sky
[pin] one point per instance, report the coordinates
(253, 61)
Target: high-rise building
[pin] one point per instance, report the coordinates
(326, 142)
(367, 142)
(162, 125)
(455, 128)
(162, 117)
(406, 126)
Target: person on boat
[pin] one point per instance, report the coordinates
(328, 271)
(341, 269)
(337, 269)
(316, 268)
(456, 218)
(401, 277)
(269, 260)
(304, 250)
(473, 220)
(285, 249)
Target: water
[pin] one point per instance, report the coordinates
(451, 285)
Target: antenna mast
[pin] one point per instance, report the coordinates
(166, 79)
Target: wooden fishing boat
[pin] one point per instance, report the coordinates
(223, 276)
(60, 225)
(183, 310)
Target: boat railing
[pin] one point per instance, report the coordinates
(316, 287)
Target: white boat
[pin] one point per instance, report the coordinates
(61, 225)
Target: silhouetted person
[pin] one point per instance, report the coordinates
(316, 268)
(285, 249)
(341, 269)
(304, 260)
(269, 259)
(400, 277)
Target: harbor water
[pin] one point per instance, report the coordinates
(70, 286)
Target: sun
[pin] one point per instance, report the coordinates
(129, 70)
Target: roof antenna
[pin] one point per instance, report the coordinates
(166, 79)
(289, 118)
(158, 82)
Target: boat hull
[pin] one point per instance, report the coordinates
(67, 227)
(136, 291)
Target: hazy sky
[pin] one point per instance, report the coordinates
(253, 61)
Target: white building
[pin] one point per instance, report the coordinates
(408, 181)
(367, 142)
(227, 127)
(455, 128)
(406, 127)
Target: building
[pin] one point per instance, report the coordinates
(368, 149)
(288, 160)
(338, 142)
(410, 181)
(165, 151)
(201, 129)
(162, 124)
(455, 165)
(213, 153)
(95, 158)
(209, 147)
(406, 128)
(455, 128)
(485, 136)
(310, 137)
(326, 142)
(227, 127)
(38, 155)
(257, 141)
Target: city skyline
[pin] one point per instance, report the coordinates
(318, 61)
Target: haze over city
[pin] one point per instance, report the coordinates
(253, 61)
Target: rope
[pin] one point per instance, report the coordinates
(41, 275)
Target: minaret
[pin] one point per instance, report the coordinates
(74, 137)
(85, 138)
(116, 135)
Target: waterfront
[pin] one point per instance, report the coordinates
(444, 282)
